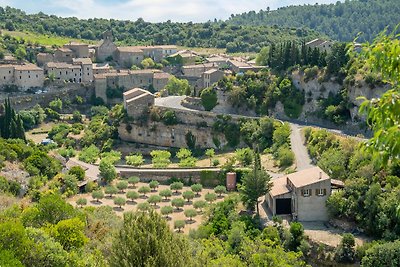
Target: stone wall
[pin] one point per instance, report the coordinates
(66, 92)
(163, 175)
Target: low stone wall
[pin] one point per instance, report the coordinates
(162, 175)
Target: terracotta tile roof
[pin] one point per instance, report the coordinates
(62, 65)
(63, 49)
(307, 177)
(130, 49)
(7, 66)
(86, 61)
(162, 75)
(211, 71)
(28, 67)
(279, 187)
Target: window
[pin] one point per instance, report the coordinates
(320, 192)
(4, 77)
(306, 192)
(29, 76)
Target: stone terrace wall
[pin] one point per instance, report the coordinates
(69, 92)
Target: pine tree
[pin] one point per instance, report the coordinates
(11, 123)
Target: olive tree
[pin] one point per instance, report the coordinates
(176, 186)
(81, 202)
(220, 189)
(166, 210)
(122, 185)
(133, 181)
(199, 204)
(144, 190)
(111, 190)
(179, 224)
(119, 201)
(178, 203)
(154, 185)
(197, 188)
(97, 195)
(154, 199)
(166, 193)
(190, 213)
(188, 195)
(210, 197)
(132, 195)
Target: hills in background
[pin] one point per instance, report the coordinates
(248, 32)
(341, 21)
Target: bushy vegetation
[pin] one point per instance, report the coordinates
(335, 20)
(210, 34)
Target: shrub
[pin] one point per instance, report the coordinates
(190, 213)
(197, 188)
(345, 252)
(154, 199)
(179, 224)
(145, 206)
(188, 195)
(134, 160)
(78, 172)
(81, 202)
(160, 158)
(199, 204)
(154, 185)
(166, 193)
(210, 197)
(111, 190)
(97, 195)
(89, 154)
(132, 195)
(133, 180)
(169, 118)
(310, 73)
(244, 156)
(285, 156)
(119, 201)
(144, 190)
(220, 189)
(166, 210)
(178, 203)
(209, 98)
(176, 186)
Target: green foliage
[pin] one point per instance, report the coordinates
(146, 240)
(78, 172)
(132, 195)
(111, 190)
(296, 236)
(144, 190)
(97, 195)
(179, 224)
(254, 185)
(190, 140)
(154, 199)
(154, 185)
(119, 201)
(166, 193)
(177, 86)
(169, 118)
(11, 125)
(178, 203)
(197, 188)
(209, 98)
(335, 20)
(199, 204)
(186, 158)
(210, 153)
(135, 160)
(210, 197)
(231, 130)
(111, 156)
(107, 171)
(122, 185)
(133, 180)
(144, 207)
(160, 158)
(81, 202)
(56, 105)
(147, 63)
(244, 156)
(345, 252)
(89, 154)
(387, 254)
(285, 156)
(166, 210)
(208, 178)
(188, 195)
(220, 189)
(69, 233)
(190, 213)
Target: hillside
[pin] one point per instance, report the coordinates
(340, 21)
(211, 34)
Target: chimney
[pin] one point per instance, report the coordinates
(320, 175)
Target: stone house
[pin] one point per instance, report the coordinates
(80, 50)
(23, 76)
(197, 70)
(64, 71)
(212, 76)
(153, 52)
(128, 55)
(106, 48)
(242, 67)
(63, 55)
(168, 50)
(302, 195)
(101, 68)
(160, 80)
(186, 57)
(136, 101)
(320, 44)
(87, 68)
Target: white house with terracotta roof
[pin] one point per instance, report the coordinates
(302, 194)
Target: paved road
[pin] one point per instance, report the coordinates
(303, 160)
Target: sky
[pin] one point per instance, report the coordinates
(151, 10)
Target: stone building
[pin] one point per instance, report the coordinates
(302, 194)
(149, 79)
(197, 70)
(80, 50)
(212, 76)
(136, 101)
(64, 71)
(128, 56)
(63, 55)
(87, 68)
(106, 48)
(320, 44)
(24, 76)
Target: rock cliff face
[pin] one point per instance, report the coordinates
(315, 90)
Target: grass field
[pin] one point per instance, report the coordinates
(47, 40)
